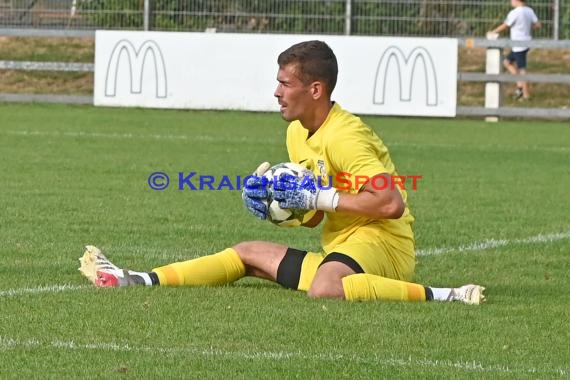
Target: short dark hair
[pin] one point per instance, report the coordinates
(315, 60)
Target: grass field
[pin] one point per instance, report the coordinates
(492, 208)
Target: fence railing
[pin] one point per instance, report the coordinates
(492, 110)
(494, 79)
(451, 18)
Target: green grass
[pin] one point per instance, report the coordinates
(78, 175)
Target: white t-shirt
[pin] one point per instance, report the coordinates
(520, 21)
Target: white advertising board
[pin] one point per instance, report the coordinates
(377, 75)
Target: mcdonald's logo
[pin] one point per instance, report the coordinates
(407, 75)
(137, 58)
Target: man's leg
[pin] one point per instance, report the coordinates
(363, 287)
(521, 64)
(337, 276)
(260, 259)
(512, 68)
(340, 276)
(524, 85)
(328, 280)
(254, 258)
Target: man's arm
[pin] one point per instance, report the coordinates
(536, 25)
(377, 199)
(500, 29)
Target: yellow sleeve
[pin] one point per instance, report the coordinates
(358, 153)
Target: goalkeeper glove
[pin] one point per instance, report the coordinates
(303, 193)
(255, 194)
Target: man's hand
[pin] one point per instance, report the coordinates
(494, 34)
(255, 192)
(303, 193)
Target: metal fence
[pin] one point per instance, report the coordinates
(359, 17)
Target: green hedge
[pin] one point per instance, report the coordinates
(383, 17)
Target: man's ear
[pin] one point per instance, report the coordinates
(317, 90)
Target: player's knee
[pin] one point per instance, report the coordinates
(246, 250)
(260, 258)
(328, 289)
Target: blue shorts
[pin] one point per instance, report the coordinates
(519, 57)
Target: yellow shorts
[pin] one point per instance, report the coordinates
(391, 258)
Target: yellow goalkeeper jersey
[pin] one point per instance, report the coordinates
(339, 151)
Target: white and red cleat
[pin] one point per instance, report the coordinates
(101, 272)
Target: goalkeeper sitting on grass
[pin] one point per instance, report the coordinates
(368, 242)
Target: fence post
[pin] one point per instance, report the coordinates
(556, 20)
(146, 22)
(493, 89)
(348, 17)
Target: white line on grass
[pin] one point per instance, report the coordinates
(556, 149)
(75, 134)
(40, 289)
(7, 343)
(129, 136)
(495, 243)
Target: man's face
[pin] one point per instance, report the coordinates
(293, 96)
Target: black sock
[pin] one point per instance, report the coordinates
(429, 294)
(154, 278)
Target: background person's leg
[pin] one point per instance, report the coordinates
(521, 62)
(510, 65)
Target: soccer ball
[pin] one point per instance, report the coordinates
(286, 217)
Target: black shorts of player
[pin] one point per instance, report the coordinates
(289, 270)
(519, 57)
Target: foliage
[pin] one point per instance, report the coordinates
(369, 17)
(123, 14)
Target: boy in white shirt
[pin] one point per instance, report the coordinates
(521, 21)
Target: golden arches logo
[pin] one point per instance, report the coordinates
(407, 74)
(137, 58)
